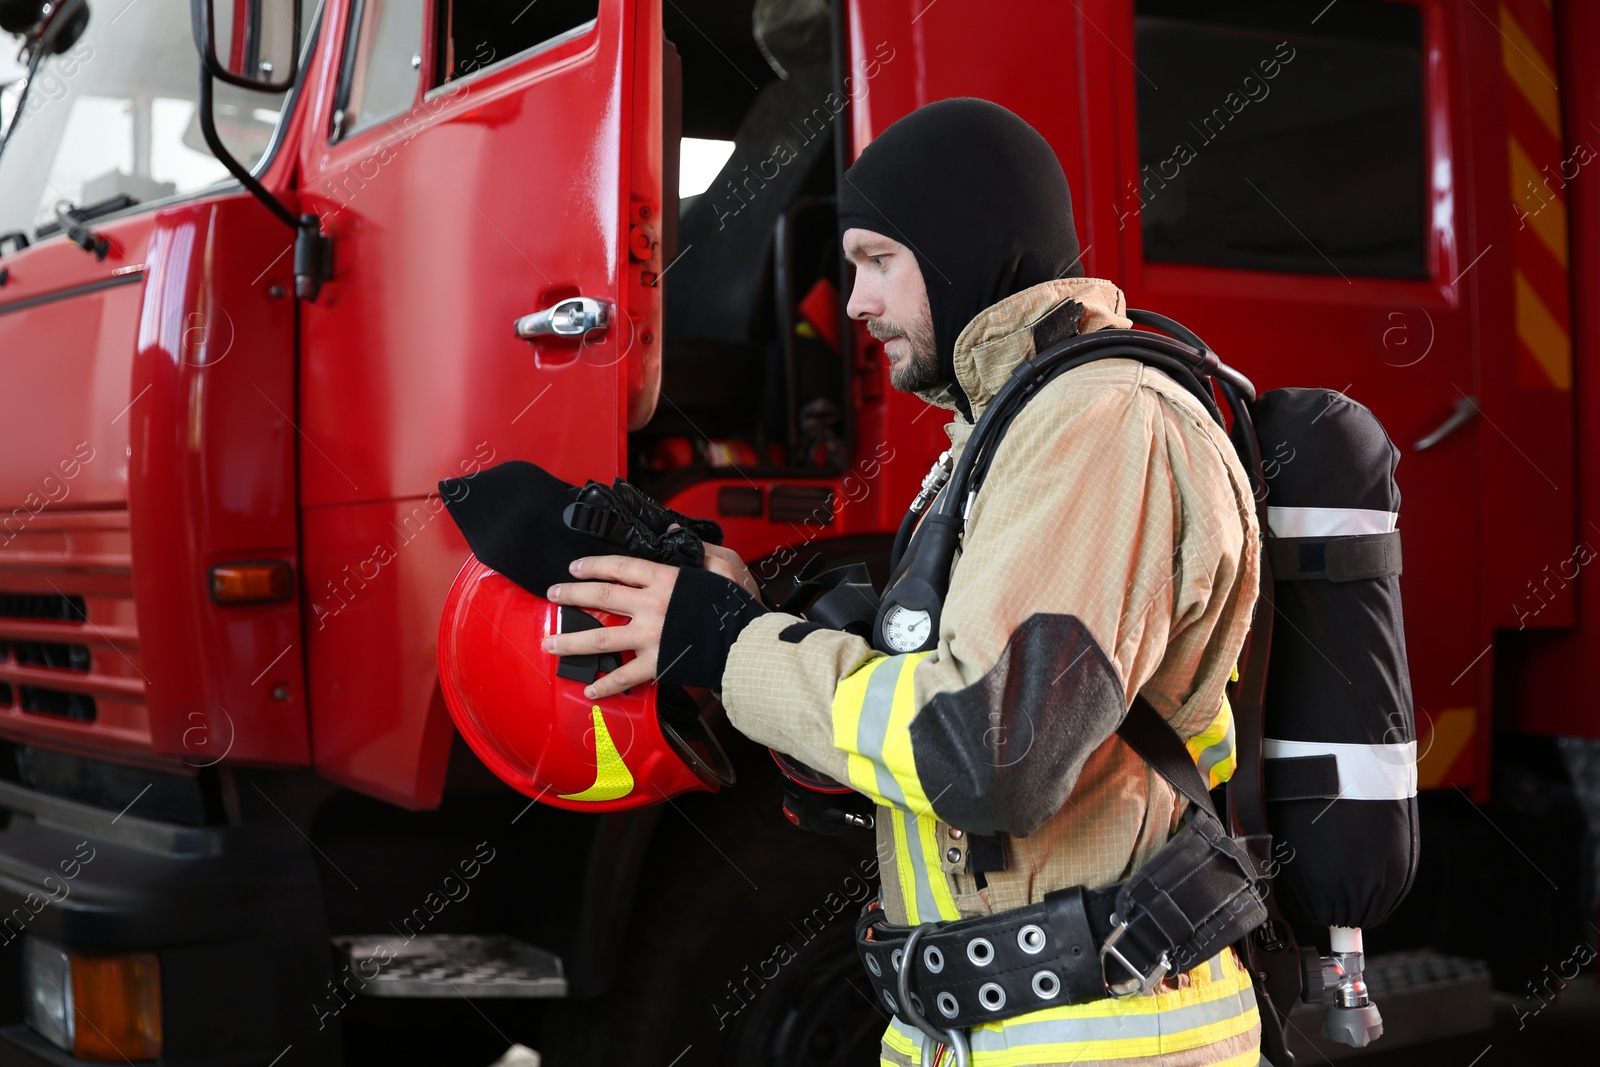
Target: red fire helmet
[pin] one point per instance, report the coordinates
(522, 710)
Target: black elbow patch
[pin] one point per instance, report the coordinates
(1002, 754)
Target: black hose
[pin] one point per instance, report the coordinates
(1173, 357)
(902, 538)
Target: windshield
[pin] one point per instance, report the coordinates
(114, 116)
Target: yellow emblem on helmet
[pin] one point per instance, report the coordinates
(612, 779)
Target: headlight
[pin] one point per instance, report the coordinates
(48, 979)
(103, 1008)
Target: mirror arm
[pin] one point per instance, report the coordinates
(313, 259)
(208, 128)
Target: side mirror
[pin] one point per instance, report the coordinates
(47, 28)
(254, 44)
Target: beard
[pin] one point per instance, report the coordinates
(920, 370)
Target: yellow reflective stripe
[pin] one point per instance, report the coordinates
(1213, 749)
(1203, 1013)
(897, 755)
(872, 712)
(851, 720)
(902, 866)
(924, 887)
(937, 882)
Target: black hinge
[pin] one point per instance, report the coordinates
(313, 258)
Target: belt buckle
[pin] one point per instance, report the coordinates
(1147, 982)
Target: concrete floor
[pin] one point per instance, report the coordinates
(1565, 1032)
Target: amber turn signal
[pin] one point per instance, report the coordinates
(251, 583)
(121, 996)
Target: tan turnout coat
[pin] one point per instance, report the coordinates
(1112, 550)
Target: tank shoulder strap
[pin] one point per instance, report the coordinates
(1159, 745)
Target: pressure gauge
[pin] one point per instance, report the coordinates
(906, 629)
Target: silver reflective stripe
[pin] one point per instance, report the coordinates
(927, 903)
(873, 728)
(1212, 755)
(1020, 1033)
(1366, 772)
(1328, 522)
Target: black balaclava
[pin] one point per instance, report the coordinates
(981, 200)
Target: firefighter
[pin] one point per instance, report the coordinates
(1112, 552)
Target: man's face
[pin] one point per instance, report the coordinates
(890, 297)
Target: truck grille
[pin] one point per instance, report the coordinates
(50, 655)
(69, 645)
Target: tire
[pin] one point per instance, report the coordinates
(745, 958)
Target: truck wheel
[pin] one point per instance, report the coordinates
(744, 959)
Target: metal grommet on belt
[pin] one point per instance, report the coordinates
(888, 1001)
(874, 966)
(1030, 939)
(1046, 985)
(933, 959)
(992, 996)
(956, 1038)
(894, 959)
(980, 950)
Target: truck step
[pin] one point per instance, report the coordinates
(450, 965)
(1422, 995)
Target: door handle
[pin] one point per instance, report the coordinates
(1466, 408)
(572, 317)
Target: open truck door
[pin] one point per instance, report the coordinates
(489, 175)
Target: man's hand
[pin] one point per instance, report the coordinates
(726, 562)
(621, 585)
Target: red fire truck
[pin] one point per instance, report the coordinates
(266, 276)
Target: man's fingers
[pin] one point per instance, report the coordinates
(606, 596)
(627, 638)
(625, 569)
(634, 672)
(582, 643)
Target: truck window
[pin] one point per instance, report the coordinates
(476, 33)
(111, 123)
(1264, 138)
(382, 64)
(700, 159)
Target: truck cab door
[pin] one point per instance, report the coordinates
(476, 164)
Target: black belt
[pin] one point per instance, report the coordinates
(1183, 906)
(973, 971)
